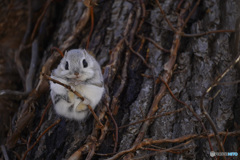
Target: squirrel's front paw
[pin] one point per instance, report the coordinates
(81, 107)
(71, 96)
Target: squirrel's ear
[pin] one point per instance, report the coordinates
(85, 52)
(65, 53)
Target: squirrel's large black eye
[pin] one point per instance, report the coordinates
(66, 65)
(85, 64)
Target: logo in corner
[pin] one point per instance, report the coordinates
(212, 154)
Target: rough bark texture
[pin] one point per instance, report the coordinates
(132, 86)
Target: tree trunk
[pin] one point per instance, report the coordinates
(171, 76)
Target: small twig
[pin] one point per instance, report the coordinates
(17, 58)
(104, 154)
(157, 151)
(92, 26)
(136, 53)
(225, 137)
(170, 91)
(77, 155)
(147, 76)
(16, 95)
(165, 17)
(215, 95)
(40, 123)
(141, 46)
(206, 33)
(151, 118)
(158, 27)
(95, 116)
(38, 139)
(143, 15)
(237, 35)
(229, 83)
(190, 14)
(89, 3)
(110, 70)
(91, 153)
(40, 19)
(155, 44)
(58, 50)
(197, 34)
(179, 5)
(116, 130)
(5, 155)
(17, 155)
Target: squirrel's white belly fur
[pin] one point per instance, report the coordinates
(91, 93)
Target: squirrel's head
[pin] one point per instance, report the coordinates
(77, 65)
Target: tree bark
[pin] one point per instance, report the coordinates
(162, 63)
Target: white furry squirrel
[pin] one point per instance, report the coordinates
(82, 72)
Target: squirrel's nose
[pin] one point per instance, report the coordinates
(76, 73)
